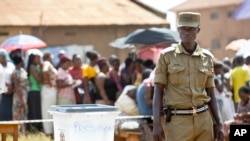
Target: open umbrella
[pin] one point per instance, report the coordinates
(22, 41)
(244, 50)
(120, 43)
(152, 36)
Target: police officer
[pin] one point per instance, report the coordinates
(184, 78)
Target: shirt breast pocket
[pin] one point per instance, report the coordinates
(176, 75)
(202, 76)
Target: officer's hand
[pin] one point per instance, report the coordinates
(158, 133)
(219, 134)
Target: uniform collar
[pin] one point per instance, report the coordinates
(180, 49)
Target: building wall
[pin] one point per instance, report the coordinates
(99, 37)
(218, 32)
(8, 31)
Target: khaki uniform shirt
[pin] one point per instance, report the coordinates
(185, 76)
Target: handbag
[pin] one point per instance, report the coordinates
(127, 104)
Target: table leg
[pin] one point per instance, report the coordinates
(3, 136)
(15, 134)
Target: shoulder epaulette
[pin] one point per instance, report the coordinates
(168, 49)
(205, 51)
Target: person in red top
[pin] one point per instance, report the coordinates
(76, 73)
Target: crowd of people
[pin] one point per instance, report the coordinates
(28, 92)
(232, 90)
(29, 89)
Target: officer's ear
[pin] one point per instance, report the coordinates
(198, 30)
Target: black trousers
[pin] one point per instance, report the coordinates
(34, 111)
(6, 107)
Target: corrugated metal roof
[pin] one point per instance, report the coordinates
(74, 12)
(203, 4)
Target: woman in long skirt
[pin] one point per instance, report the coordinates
(21, 85)
(34, 94)
(49, 91)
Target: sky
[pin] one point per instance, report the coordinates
(162, 5)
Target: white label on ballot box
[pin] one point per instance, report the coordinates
(88, 127)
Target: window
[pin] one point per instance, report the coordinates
(215, 44)
(4, 33)
(70, 33)
(230, 14)
(214, 16)
(231, 39)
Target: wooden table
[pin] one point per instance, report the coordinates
(11, 128)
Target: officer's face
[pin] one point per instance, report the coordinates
(188, 34)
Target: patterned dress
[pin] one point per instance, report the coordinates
(20, 111)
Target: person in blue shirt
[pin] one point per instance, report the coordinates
(144, 93)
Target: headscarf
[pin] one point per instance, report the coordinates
(5, 53)
(16, 56)
(101, 62)
(64, 59)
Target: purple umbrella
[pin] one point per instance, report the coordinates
(243, 12)
(22, 41)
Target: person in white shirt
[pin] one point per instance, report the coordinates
(2, 81)
(48, 91)
(7, 94)
(223, 96)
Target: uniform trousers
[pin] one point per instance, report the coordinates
(197, 127)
